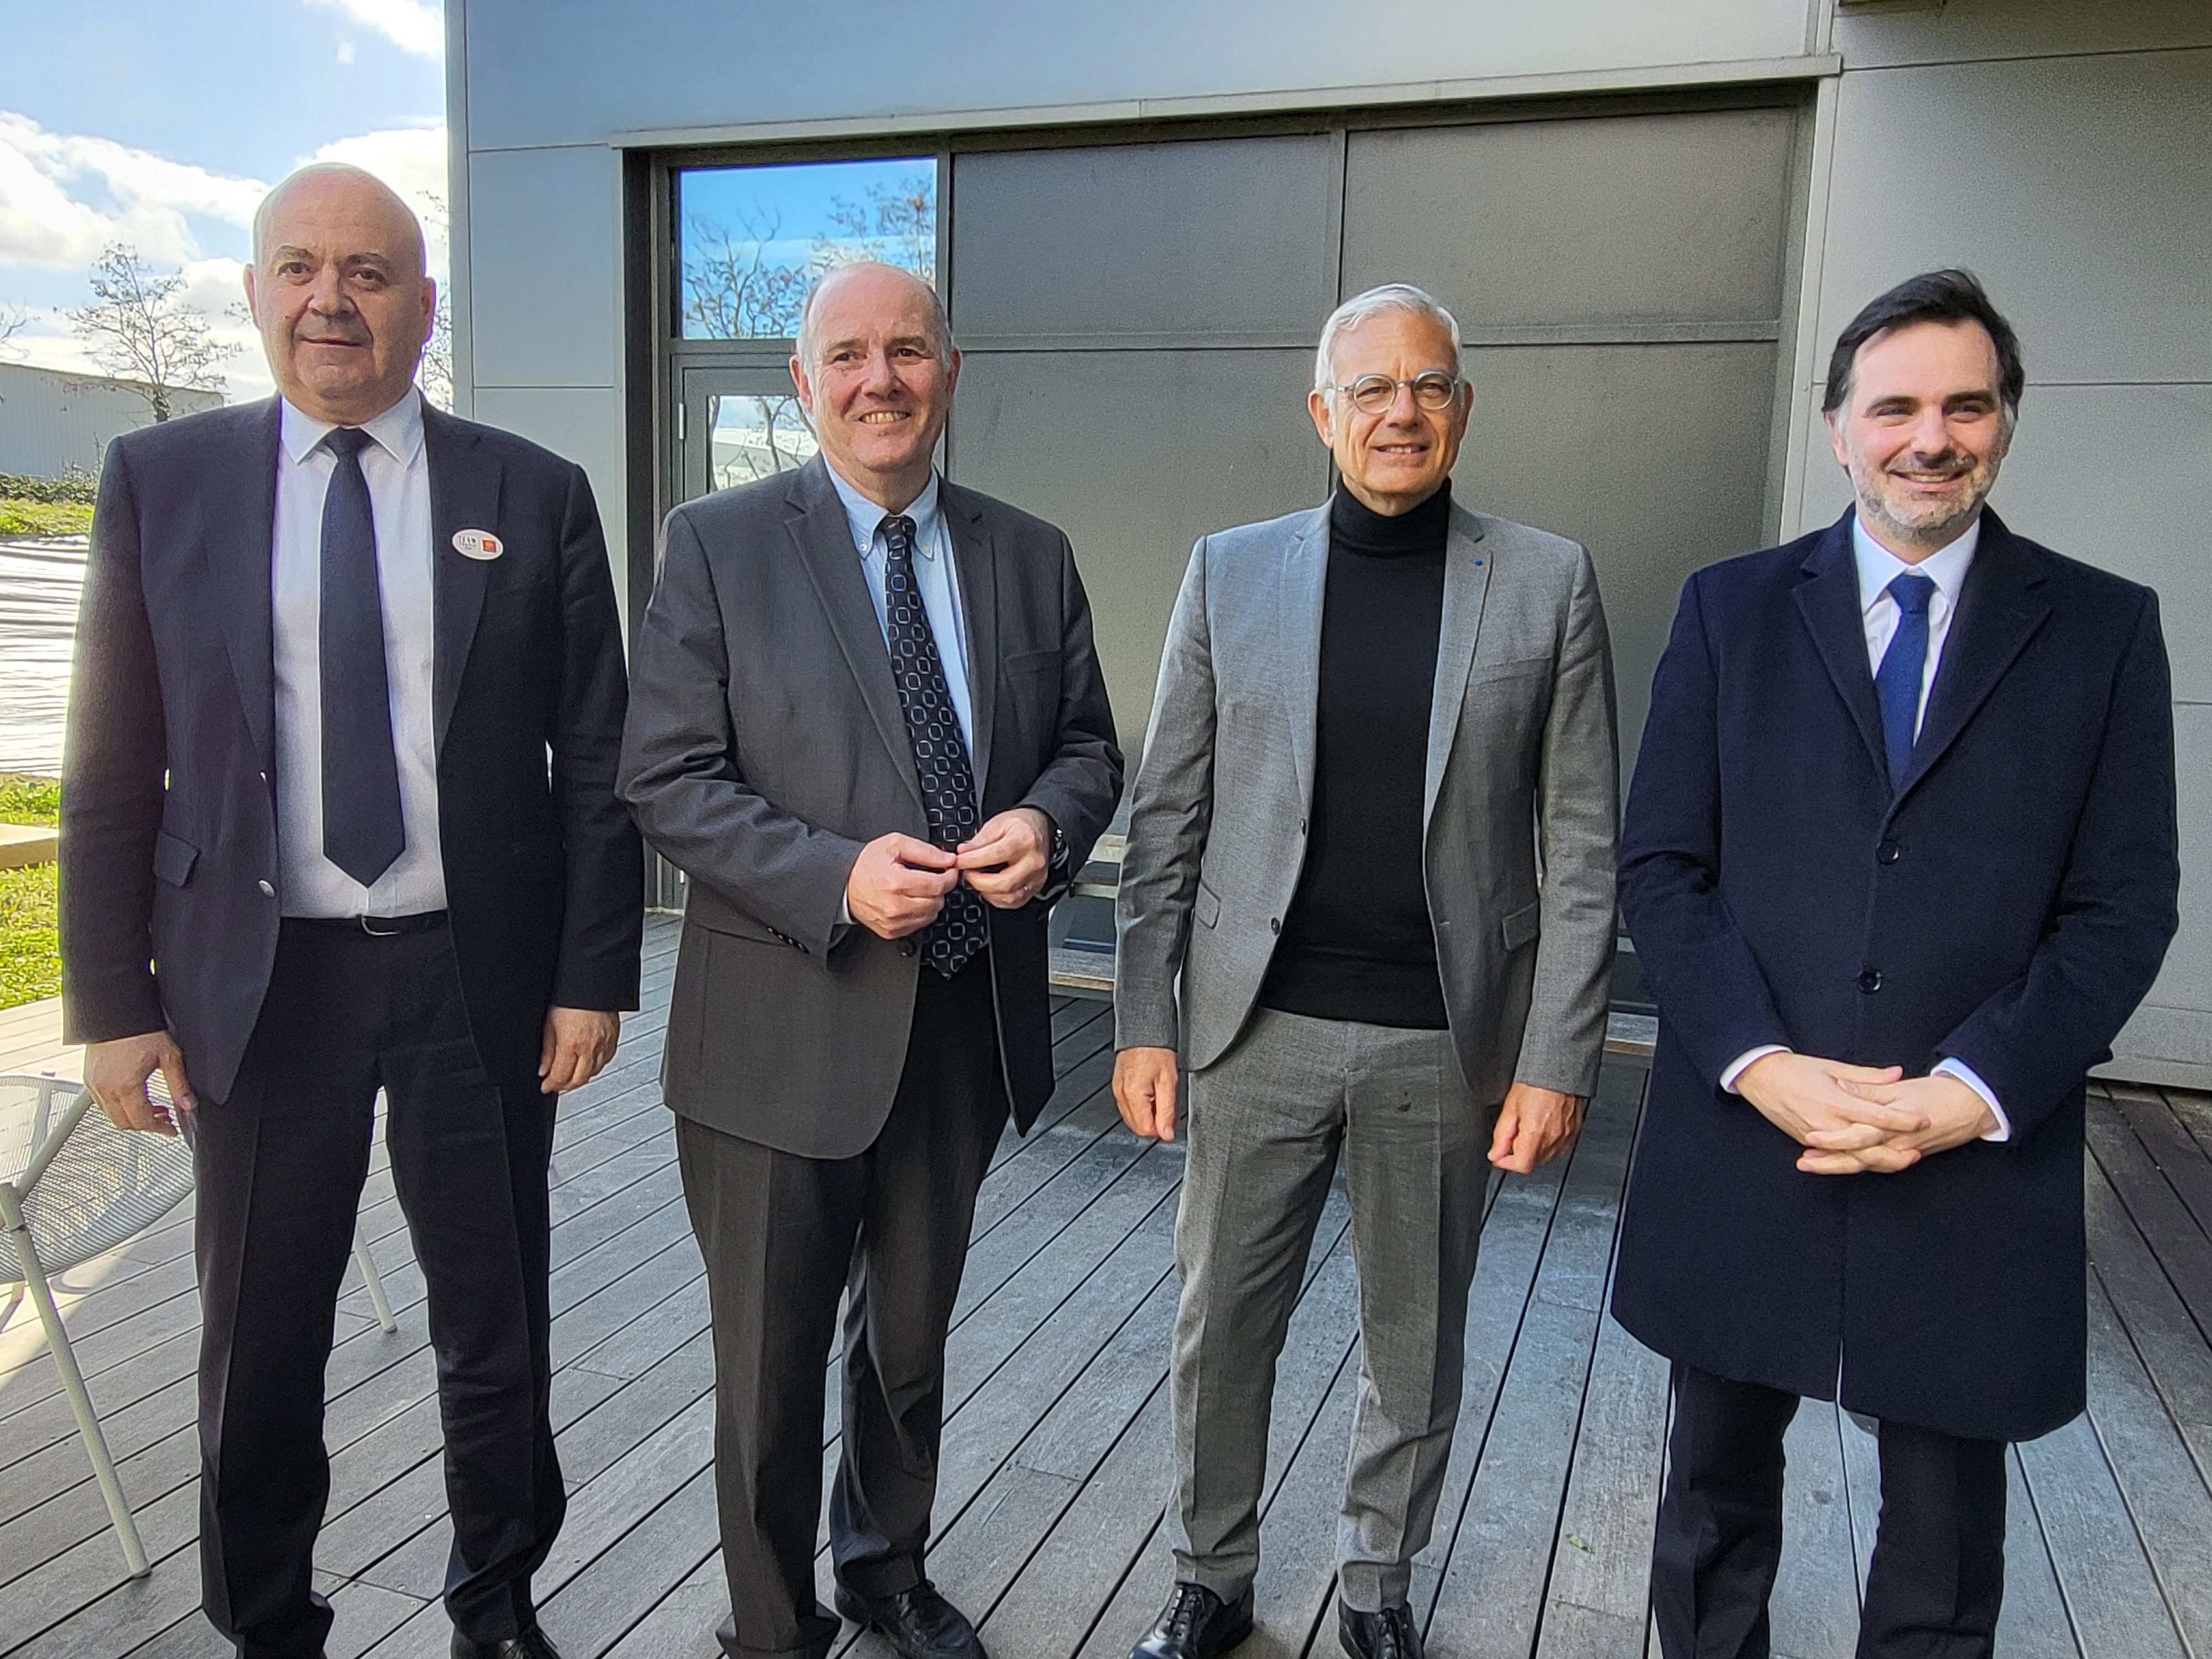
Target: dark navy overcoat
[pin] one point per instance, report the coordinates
(2008, 903)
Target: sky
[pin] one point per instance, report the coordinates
(158, 123)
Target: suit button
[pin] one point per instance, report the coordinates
(1302, 826)
(1869, 981)
(267, 891)
(1888, 852)
(1274, 924)
(906, 947)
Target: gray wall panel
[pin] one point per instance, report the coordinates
(2013, 28)
(1658, 218)
(544, 240)
(1136, 454)
(1652, 456)
(2077, 188)
(2173, 1026)
(1231, 236)
(570, 71)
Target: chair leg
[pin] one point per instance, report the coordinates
(375, 1281)
(79, 1398)
(14, 1301)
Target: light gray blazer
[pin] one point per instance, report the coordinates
(1521, 802)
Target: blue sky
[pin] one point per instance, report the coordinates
(160, 124)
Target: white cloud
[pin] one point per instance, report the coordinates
(411, 24)
(45, 178)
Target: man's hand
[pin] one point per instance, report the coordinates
(578, 1042)
(1008, 859)
(1534, 1126)
(1813, 1102)
(898, 885)
(116, 1073)
(1952, 1112)
(1145, 1090)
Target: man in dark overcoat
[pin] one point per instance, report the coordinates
(1900, 860)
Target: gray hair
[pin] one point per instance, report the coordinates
(1391, 296)
(809, 342)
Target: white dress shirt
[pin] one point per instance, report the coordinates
(398, 479)
(934, 573)
(1877, 568)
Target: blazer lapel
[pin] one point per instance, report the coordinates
(1467, 585)
(238, 534)
(1304, 585)
(975, 559)
(816, 519)
(1999, 611)
(465, 495)
(1830, 603)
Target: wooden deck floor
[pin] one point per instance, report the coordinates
(1056, 1448)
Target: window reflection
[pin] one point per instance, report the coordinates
(753, 239)
(756, 437)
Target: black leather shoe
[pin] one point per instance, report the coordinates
(1196, 1624)
(533, 1643)
(918, 1622)
(1390, 1634)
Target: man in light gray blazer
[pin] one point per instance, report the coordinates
(869, 724)
(1374, 833)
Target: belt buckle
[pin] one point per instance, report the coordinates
(368, 926)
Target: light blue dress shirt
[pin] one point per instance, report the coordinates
(933, 573)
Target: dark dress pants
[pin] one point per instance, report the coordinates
(782, 1237)
(280, 1165)
(1935, 1583)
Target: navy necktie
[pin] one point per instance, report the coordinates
(1897, 683)
(362, 831)
(940, 754)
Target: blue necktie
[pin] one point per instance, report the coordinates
(940, 754)
(1897, 683)
(362, 831)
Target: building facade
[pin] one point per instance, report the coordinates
(1650, 216)
(52, 422)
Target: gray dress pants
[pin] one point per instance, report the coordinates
(1265, 1124)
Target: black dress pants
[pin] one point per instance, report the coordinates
(1937, 1578)
(280, 1164)
(782, 1237)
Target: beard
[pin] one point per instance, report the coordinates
(1927, 519)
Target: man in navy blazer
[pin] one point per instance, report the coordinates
(338, 815)
(1900, 860)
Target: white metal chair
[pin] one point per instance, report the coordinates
(72, 1187)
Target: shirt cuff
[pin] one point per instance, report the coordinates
(1736, 1067)
(1967, 1075)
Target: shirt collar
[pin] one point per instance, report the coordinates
(1878, 566)
(397, 431)
(867, 516)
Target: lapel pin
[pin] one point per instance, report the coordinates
(477, 544)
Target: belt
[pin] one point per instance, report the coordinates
(378, 926)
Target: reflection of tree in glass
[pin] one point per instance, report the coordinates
(736, 289)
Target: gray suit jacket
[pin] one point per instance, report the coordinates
(1520, 797)
(766, 744)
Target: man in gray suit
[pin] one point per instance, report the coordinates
(1376, 719)
(867, 721)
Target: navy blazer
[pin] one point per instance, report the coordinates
(2008, 903)
(170, 892)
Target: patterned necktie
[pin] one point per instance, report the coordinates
(362, 830)
(940, 754)
(1897, 683)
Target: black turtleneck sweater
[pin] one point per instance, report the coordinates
(1357, 942)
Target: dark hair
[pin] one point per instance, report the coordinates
(1934, 296)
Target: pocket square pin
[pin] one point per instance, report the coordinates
(477, 544)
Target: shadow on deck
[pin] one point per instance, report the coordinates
(1056, 1443)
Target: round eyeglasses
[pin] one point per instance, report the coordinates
(1371, 394)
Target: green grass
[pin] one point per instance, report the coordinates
(22, 518)
(30, 946)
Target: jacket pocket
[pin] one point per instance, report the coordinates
(173, 859)
(1524, 924)
(1208, 908)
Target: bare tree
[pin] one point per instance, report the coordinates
(897, 224)
(138, 325)
(13, 318)
(435, 372)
